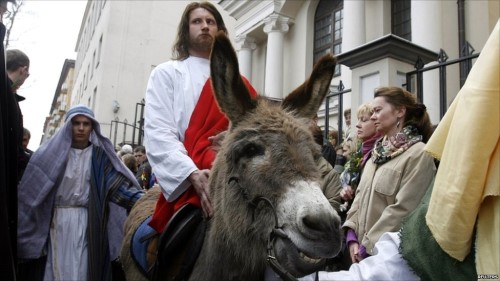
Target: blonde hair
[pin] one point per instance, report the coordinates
(365, 109)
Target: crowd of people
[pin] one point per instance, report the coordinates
(66, 202)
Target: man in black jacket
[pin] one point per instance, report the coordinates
(9, 145)
(18, 66)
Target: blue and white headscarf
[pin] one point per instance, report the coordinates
(44, 169)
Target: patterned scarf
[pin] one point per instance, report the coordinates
(390, 147)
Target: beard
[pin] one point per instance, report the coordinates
(201, 43)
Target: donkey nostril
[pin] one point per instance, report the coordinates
(315, 222)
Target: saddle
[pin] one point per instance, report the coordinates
(180, 244)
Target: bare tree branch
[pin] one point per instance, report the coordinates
(10, 18)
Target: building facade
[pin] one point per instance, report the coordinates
(61, 101)
(377, 43)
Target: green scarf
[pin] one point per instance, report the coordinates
(424, 255)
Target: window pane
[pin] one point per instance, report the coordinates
(337, 49)
(328, 29)
(401, 18)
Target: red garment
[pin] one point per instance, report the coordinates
(207, 120)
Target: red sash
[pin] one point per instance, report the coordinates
(207, 120)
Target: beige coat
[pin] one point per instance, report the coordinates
(389, 192)
(330, 183)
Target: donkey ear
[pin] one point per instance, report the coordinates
(307, 98)
(230, 91)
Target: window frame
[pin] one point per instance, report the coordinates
(334, 15)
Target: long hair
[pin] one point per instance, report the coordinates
(416, 113)
(180, 50)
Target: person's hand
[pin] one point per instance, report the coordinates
(199, 180)
(354, 251)
(347, 193)
(217, 140)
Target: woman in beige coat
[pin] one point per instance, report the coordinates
(396, 177)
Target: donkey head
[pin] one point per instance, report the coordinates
(269, 153)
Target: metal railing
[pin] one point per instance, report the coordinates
(131, 133)
(465, 62)
(339, 94)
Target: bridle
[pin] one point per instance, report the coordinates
(276, 232)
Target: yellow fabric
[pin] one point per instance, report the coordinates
(467, 184)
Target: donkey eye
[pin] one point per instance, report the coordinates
(252, 150)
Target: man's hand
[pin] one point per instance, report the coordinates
(199, 180)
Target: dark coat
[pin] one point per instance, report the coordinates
(11, 126)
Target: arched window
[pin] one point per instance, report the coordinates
(401, 18)
(328, 25)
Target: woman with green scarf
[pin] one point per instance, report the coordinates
(396, 177)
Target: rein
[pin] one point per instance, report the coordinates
(277, 231)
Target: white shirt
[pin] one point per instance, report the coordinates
(173, 90)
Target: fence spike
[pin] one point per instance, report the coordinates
(467, 49)
(341, 86)
(443, 57)
(419, 64)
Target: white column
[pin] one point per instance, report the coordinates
(275, 26)
(428, 34)
(353, 34)
(245, 46)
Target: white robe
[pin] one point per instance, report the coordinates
(67, 249)
(173, 91)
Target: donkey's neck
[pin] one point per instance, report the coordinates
(221, 259)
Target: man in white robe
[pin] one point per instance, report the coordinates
(172, 94)
(68, 204)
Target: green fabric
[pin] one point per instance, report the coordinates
(419, 248)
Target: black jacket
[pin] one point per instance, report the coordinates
(10, 141)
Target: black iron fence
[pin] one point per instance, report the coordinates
(339, 96)
(415, 80)
(414, 83)
(123, 132)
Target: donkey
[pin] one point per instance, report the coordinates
(265, 186)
